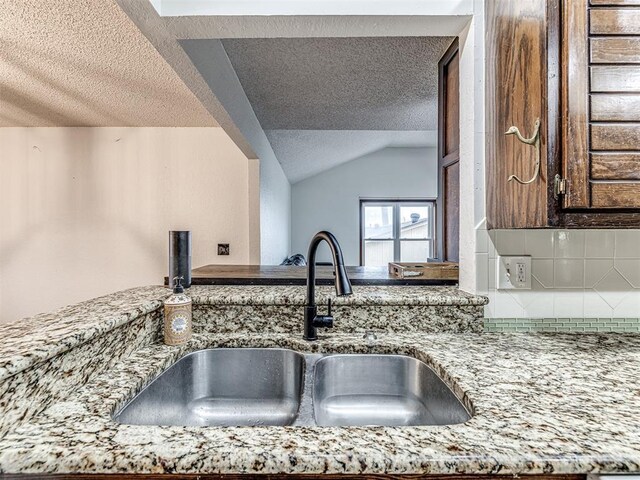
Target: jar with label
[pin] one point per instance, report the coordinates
(177, 316)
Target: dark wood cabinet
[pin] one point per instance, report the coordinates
(575, 66)
(516, 93)
(602, 95)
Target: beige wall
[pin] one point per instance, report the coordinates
(86, 211)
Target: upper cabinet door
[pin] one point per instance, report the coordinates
(601, 103)
(516, 96)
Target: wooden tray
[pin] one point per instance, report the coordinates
(431, 270)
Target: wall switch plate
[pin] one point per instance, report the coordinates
(223, 249)
(513, 272)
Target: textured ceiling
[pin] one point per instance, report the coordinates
(325, 101)
(370, 83)
(304, 153)
(84, 63)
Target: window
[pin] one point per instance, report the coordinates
(396, 231)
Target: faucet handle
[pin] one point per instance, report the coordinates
(323, 321)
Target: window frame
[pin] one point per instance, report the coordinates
(397, 203)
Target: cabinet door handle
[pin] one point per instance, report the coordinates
(535, 141)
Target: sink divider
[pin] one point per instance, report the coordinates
(305, 416)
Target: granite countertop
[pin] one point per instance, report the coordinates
(362, 295)
(541, 403)
(36, 339)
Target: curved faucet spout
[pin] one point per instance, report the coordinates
(342, 283)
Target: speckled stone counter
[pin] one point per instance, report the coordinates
(541, 403)
(45, 357)
(33, 340)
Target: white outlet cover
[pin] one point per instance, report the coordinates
(506, 271)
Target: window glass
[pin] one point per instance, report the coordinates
(414, 221)
(378, 252)
(378, 221)
(418, 251)
(398, 231)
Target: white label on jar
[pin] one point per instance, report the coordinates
(179, 324)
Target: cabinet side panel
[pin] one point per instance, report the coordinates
(516, 95)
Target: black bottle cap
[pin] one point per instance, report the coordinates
(177, 282)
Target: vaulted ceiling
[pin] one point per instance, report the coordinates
(321, 101)
(381, 83)
(325, 101)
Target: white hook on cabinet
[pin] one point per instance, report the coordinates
(535, 141)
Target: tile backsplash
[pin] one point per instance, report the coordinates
(575, 273)
(563, 325)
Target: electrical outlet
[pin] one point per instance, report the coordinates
(513, 272)
(521, 273)
(223, 249)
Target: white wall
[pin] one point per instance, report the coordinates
(86, 211)
(275, 191)
(472, 204)
(331, 199)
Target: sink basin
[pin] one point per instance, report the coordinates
(279, 387)
(389, 390)
(223, 387)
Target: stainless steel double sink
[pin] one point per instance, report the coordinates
(280, 387)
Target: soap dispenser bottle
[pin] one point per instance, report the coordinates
(177, 316)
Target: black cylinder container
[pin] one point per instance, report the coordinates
(180, 257)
